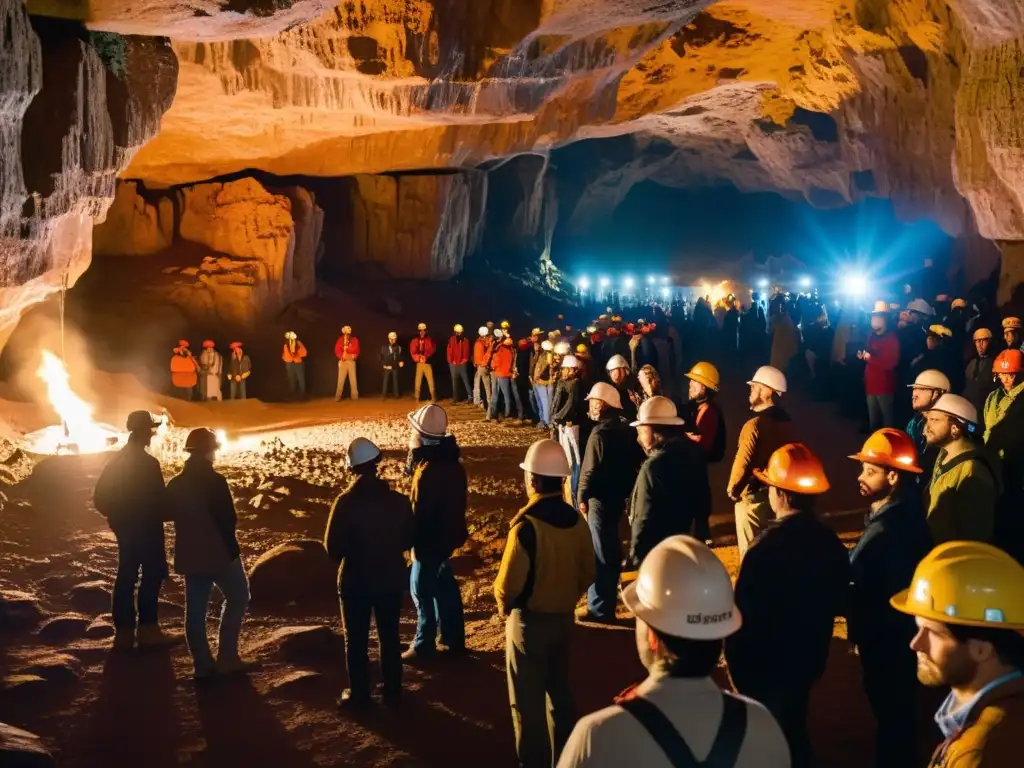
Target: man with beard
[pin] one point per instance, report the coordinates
(967, 599)
(618, 373)
(927, 388)
(979, 376)
(706, 423)
(881, 355)
(1012, 332)
(895, 539)
(1004, 437)
(965, 487)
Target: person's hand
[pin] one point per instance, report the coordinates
(732, 494)
(867, 356)
(401, 364)
(583, 509)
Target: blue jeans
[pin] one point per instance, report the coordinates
(503, 387)
(460, 371)
(543, 393)
(234, 585)
(296, 378)
(481, 378)
(438, 601)
(603, 520)
(514, 385)
(238, 389)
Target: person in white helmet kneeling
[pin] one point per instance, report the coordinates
(678, 716)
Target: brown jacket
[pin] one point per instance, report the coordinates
(760, 437)
(991, 736)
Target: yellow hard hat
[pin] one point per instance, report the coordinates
(880, 308)
(966, 583)
(706, 374)
(581, 348)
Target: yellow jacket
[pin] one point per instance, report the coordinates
(962, 498)
(549, 558)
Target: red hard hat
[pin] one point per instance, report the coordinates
(207, 344)
(236, 345)
(183, 343)
(1008, 361)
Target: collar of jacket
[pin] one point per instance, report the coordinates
(1006, 399)
(892, 508)
(446, 449)
(773, 411)
(540, 505)
(976, 454)
(953, 721)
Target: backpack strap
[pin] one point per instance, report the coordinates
(725, 749)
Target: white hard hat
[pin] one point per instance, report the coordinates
(605, 393)
(498, 333)
(546, 457)
(346, 329)
(921, 306)
(957, 407)
(562, 348)
(483, 330)
(657, 410)
(392, 333)
(430, 420)
(683, 590)
(772, 378)
(458, 328)
(616, 361)
(360, 451)
(546, 345)
(931, 379)
(570, 361)
(982, 333)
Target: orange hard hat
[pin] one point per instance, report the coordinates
(1008, 361)
(793, 467)
(890, 448)
(236, 345)
(183, 343)
(208, 344)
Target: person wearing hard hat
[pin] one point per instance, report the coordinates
(793, 582)
(458, 353)
(684, 607)
(184, 370)
(927, 388)
(767, 430)
(346, 349)
(979, 379)
(967, 599)
(368, 530)
(483, 348)
(1004, 437)
(568, 412)
(207, 554)
(895, 539)
(675, 469)
(965, 486)
(391, 363)
(547, 565)
(1012, 332)
(422, 348)
(239, 370)
(881, 356)
(130, 494)
(503, 366)
(943, 355)
(610, 464)
(439, 492)
(702, 414)
(545, 377)
(293, 354)
(211, 368)
(618, 373)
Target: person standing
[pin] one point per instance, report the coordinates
(618, 373)
(765, 432)
(978, 376)
(610, 464)
(548, 563)
(391, 362)
(793, 582)
(346, 349)
(503, 366)
(1004, 437)
(895, 539)
(1012, 332)
(568, 410)
(294, 356)
(672, 487)
(679, 713)
(422, 348)
(881, 357)
(130, 494)
(926, 390)
(545, 377)
(438, 495)
(483, 347)
(706, 426)
(239, 370)
(967, 599)
(184, 370)
(211, 368)
(458, 363)
(964, 488)
(206, 553)
(369, 529)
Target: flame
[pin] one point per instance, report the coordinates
(78, 433)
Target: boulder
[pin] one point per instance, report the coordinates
(296, 680)
(19, 611)
(306, 644)
(21, 749)
(58, 668)
(90, 597)
(99, 630)
(296, 571)
(133, 226)
(61, 630)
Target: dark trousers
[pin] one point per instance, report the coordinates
(296, 373)
(391, 376)
(788, 701)
(185, 393)
(603, 520)
(890, 682)
(355, 614)
(138, 550)
(460, 372)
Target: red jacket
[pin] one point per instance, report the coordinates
(880, 371)
(458, 350)
(349, 352)
(482, 351)
(422, 349)
(503, 361)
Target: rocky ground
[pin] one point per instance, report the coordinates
(92, 707)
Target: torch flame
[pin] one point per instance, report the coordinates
(76, 415)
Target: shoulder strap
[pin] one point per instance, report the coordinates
(728, 740)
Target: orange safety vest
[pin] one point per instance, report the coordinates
(184, 371)
(294, 354)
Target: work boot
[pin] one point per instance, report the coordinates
(349, 701)
(584, 615)
(124, 639)
(414, 656)
(151, 636)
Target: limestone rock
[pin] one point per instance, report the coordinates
(293, 572)
(301, 644)
(19, 610)
(133, 226)
(22, 749)
(99, 629)
(296, 680)
(90, 597)
(58, 668)
(61, 630)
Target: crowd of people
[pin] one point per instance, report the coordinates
(933, 591)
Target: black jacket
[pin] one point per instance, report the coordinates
(204, 519)
(979, 380)
(568, 405)
(610, 462)
(671, 490)
(439, 491)
(792, 584)
(895, 539)
(369, 528)
(391, 354)
(130, 492)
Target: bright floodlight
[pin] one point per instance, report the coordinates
(762, 283)
(664, 280)
(605, 282)
(665, 292)
(583, 284)
(628, 283)
(856, 285)
(650, 279)
(805, 282)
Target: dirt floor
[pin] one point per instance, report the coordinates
(57, 562)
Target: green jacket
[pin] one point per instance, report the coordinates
(963, 495)
(997, 405)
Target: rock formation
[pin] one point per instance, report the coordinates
(134, 226)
